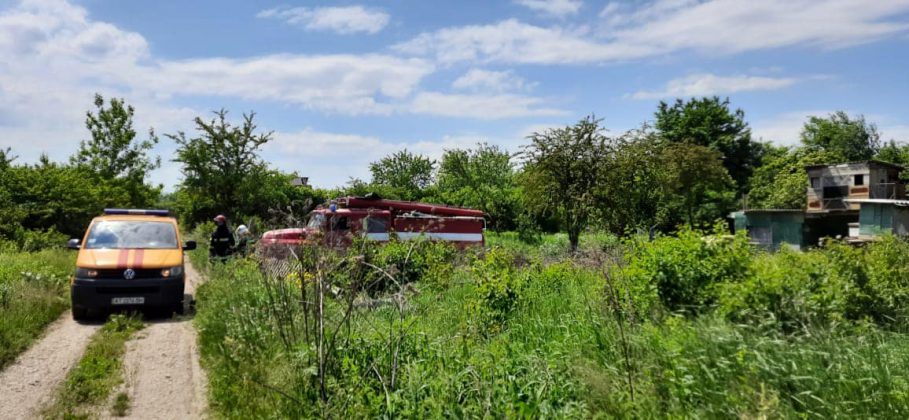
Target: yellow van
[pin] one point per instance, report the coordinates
(129, 258)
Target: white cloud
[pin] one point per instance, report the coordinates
(512, 41)
(557, 8)
(497, 81)
(481, 106)
(634, 31)
(331, 159)
(784, 129)
(343, 20)
(346, 84)
(710, 84)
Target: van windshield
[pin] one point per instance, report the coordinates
(119, 234)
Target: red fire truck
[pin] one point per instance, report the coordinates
(377, 219)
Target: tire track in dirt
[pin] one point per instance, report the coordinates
(31, 381)
(163, 377)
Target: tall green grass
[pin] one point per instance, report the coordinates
(687, 326)
(33, 292)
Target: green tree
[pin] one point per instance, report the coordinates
(632, 184)
(711, 123)
(6, 158)
(50, 196)
(561, 170)
(481, 178)
(853, 139)
(897, 153)
(114, 152)
(222, 169)
(697, 184)
(407, 173)
(781, 182)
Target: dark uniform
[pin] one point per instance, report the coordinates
(222, 242)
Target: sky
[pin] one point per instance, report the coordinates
(341, 84)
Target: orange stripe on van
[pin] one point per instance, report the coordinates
(139, 258)
(123, 259)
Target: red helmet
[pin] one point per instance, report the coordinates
(220, 219)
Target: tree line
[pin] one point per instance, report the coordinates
(695, 162)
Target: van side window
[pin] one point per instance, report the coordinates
(859, 180)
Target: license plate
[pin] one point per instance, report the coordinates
(128, 301)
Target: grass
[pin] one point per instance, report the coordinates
(558, 349)
(33, 293)
(121, 405)
(98, 372)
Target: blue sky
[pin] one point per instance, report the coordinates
(344, 83)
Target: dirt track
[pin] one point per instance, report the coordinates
(163, 376)
(30, 382)
(161, 368)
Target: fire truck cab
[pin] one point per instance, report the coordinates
(377, 219)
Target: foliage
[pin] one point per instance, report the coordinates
(696, 183)
(552, 346)
(563, 165)
(224, 174)
(114, 155)
(851, 138)
(34, 290)
(481, 178)
(684, 272)
(405, 173)
(710, 123)
(50, 197)
(498, 287)
(897, 153)
(781, 182)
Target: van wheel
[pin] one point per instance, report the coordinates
(79, 314)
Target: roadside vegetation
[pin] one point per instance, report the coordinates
(694, 324)
(602, 289)
(33, 293)
(88, 386)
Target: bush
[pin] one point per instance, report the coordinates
(429, 262)
(497, 287)
(683, 272)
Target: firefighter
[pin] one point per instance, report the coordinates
(243, 238)
(222, 241)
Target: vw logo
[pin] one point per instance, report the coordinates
(129, 274)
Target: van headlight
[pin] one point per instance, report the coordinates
(86, 273)
(172, 271)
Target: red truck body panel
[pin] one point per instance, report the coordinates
(379, 219)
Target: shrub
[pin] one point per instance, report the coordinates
(683, 271)
(497, 287)
(429, 262)
(787, 286)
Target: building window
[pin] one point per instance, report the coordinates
(859, 180)
(815, 182)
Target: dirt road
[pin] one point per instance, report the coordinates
(161, 368)
(163, 376)
(29, 383)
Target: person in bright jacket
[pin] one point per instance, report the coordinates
(222, 240)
